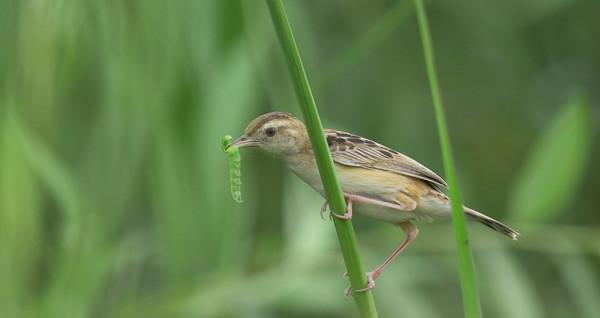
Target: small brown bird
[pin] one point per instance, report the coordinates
(377, 181)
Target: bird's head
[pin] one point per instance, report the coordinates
(278, 133)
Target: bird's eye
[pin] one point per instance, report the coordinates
(270, 132)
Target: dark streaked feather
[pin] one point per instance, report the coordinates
(352, 150)
(491, 223)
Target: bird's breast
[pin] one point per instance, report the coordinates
(305, 167)
(356, 180)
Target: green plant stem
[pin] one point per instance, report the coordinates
(471, 303)
(346, 236)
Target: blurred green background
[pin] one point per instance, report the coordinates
(114, 194)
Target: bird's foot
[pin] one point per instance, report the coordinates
(345, 216)
(370, 283)
(348, 214)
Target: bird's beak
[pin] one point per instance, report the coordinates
(244, 141)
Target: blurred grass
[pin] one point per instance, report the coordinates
(553, 173)
(114, 194)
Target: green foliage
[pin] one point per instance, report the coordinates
(556, 165)
(512, 291)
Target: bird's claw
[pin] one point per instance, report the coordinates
(347, 292)
(324, 208)
(370, 284)
(345, 216)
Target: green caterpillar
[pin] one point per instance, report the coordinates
(235, 171)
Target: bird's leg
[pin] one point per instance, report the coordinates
(411, 232)
(362, 199)
(350, 198)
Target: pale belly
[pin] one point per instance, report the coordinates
(374, 184)
(391, 215)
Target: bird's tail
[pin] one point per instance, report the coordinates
(491, 223)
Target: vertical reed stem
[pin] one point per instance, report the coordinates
(472, 307)
(345, 232)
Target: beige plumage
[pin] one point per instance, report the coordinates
(377, 181)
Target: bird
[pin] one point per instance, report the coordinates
(376, 180)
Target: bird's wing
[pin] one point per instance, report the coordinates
(355, 151)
